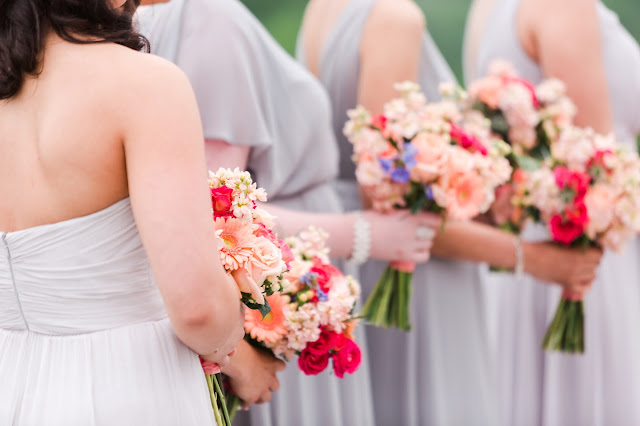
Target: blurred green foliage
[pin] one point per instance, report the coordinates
(445, 20)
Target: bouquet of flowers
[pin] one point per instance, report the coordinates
(313, 317)
(433, 157)
(528, 117)
(587, 192)
(249, 250)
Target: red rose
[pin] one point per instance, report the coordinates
(312, 364)
(379, 121)
(325, 273)
(576, 181)
(577, 213)
(347, 359)
(564, 231)
(468, 142)
(326, 342)
(221, 201)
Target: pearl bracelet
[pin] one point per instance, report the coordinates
(361, 240)
(519, 269)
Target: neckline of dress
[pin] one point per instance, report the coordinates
(67, 222)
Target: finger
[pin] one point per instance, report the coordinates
(275, 385)
(281, 365)
(232, 353)
(265, 397)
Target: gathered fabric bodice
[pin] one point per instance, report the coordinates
(78, 276)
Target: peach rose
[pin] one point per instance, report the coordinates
(431, 158)
(599, 201)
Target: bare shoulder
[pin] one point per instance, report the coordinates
(141, 77)
(397, 15)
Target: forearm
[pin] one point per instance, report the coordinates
(338, 226)
(475, 242)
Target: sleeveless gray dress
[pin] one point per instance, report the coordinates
(252, 93)
(602, 387)
(437, 374)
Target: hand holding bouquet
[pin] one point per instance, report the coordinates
(588, 194)
(313, 317)
(249, 250)
(422, 157)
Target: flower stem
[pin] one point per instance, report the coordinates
(214, 400)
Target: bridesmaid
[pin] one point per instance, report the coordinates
(600, 63)
(358, 49)
(263, 111)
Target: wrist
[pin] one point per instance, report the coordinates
(529, 257)
(234, 368)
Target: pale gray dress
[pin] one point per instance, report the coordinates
(437, 374)
(252, 93)
(602, 387)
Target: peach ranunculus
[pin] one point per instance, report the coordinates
(465, 195)
(370, 173)
(236, 241)
(487, 90)
(246, 284)
(272, 327)
(432, 156)
(599, 201)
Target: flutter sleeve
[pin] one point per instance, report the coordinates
(220, 55)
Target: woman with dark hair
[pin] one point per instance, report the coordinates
(110, 285)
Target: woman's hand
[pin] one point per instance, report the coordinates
(252, 373)
(573, 269)
(222, 355)
(402, 236)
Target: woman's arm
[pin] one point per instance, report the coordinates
(568, 45)
(167, 184)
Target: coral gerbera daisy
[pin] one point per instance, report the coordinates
(272, 327)
(236, 242)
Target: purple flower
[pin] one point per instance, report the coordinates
(386, 164)
(400, 175)
(409, 156)
(428, 192)
(310, 279)
(322, 296)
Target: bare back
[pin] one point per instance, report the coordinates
(61, 144)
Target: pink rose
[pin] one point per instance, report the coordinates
(468, 142)
(262, 231)
(287, 255)
(325, 273)
(221, 201)
(311, 363)
(347, 359)
(568, 179)
(208, 367)
(577, 213)
(379, 121)
(599, 201)
(564, 232)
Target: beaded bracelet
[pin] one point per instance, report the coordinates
(361, 240)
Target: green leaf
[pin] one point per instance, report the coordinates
(248, 300)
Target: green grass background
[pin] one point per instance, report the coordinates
(445, 19)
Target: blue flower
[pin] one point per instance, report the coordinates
(428, 192)
(322, 296)
(400, 175)
(409, 156)
(386, 164)
(310, 279)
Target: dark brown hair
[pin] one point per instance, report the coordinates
(24, 25)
